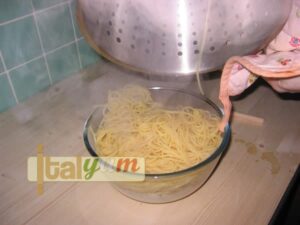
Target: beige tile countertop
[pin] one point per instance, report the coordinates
(245, 188)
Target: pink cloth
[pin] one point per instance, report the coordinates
(279, 66)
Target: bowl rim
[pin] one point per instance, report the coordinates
(219, 150)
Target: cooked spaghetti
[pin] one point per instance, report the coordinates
(134, 125)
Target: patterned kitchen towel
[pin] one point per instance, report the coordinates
(279, 65)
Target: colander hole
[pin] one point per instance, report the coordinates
(163, 53)
(132, 46)
(222, 24)
(178, 25)
(118, 40)
(123, 21)
(191, 14)
(163, 43)
(137, 18)
(212, 48)
(117, 5)
(113, 14)
(108, 32)
(248, 6)
(133, 37)
(195, 42)
(110, 23)
(208, 30)
(120, 31)
(179, 44)
(196, 51)
(210, 39)
(163, 34)
(179, 35)
(237, 16)
(194, 33)
(147, 51)
(227, 42)
(135, 27)
(179, 53)
(225, 33)
(193, 24)
(148, 41)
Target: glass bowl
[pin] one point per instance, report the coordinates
(166, 187)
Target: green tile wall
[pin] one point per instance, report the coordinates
(63, 62)
(11, 9)
(6, 95)
(55, 27)
(30, 78)
(40, 44)
(87, 54)
(19, 42)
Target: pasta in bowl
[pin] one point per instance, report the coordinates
(175, 131)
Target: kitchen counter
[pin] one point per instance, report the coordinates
(245, 189)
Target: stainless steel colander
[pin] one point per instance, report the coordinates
(177, 37)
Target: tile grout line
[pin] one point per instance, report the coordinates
(16, 19)
(78, 53)
(9, 80)
(51, 7)
(75, 36)
(41, 43)
(12, 87)
(23, 64)
(60, 47)
(1, 61)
